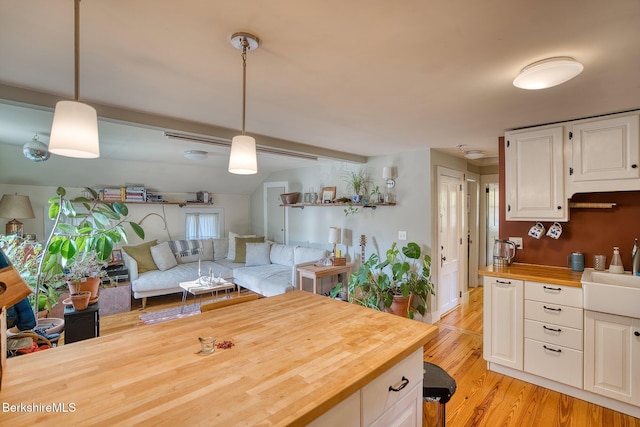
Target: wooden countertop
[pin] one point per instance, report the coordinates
(538, 273)
(296, 355)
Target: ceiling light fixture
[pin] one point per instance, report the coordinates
(470, 154)
(195, 155)
(242, 159)
(35, 150)
(548, 73)
(74, 132)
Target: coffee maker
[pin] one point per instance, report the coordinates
(504, 251)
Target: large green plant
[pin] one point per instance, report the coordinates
(404, 271)
(99, 228)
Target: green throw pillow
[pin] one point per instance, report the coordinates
(142, 254)
(241, 247)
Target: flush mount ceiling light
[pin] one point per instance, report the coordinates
(242, 159)
(470, 154)
(35, 150)
(195, 155)
(74, 132)
(548, 73)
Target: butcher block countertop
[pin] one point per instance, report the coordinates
(537, 273)
(296, 355)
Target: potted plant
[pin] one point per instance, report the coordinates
(376, 195)
(72, 251)
(400, 283)
(357, 181)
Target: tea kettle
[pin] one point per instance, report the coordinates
(504, 251)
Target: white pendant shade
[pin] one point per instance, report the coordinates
(242, 160)
(547, 73)
(74, 132)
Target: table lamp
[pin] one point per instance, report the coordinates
(15, 206)
(333, 238)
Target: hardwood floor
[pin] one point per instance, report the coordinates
(485, 398)
(482, 398)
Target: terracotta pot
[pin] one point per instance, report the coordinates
(80, 300)
(400, 305)
(91, 284)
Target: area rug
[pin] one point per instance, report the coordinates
(169, 314)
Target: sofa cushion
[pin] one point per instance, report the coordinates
(231, 253)
(142, 254)
(282, 254)
(220, 248)
(241, 247)
(163, 256)
(267, 280)
(187, 251)
(303, 254)
(257, 254)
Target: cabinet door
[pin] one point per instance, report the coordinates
(612, 356)
(504, 321)
(534, 180)
(405, 413)
(604, 150)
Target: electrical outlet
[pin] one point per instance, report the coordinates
(517, 241)
(402, 235)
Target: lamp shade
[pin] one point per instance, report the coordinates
(333, 235)
(387, 172)
(473, 154)
(547, 73)
(242, 159)
(74, 132)
(16, 206)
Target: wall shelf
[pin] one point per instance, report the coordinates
(328, 205)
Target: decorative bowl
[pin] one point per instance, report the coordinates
(290, 198)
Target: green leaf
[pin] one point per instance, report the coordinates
(60, 191)
(68, 249)
(412, 250)
(137, 229)
(121, 208)
(54, 209)
(103, 247)
(101, 219)
(67, 228)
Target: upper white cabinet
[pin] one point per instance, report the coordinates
(534, 177)
(603, 155)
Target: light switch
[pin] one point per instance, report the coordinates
(402, 235)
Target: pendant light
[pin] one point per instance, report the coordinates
(35, 150)
(242, 159)
(74, 132)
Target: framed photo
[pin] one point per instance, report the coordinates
(116, 255)
(328, 194)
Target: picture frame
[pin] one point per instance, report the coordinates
(328, 194)
(116, 256)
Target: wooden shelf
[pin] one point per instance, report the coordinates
(328, 205)
(181, 204)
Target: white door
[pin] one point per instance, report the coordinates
(472, 227)
(449, 239)
(275, 216)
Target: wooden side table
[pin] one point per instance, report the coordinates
(315, 272)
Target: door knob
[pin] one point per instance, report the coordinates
(636, 333)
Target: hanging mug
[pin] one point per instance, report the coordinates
(537, 230)
(555, 231)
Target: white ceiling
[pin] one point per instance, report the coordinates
(366, 77)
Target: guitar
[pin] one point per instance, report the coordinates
(363, 243)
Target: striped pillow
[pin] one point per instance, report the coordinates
(185, 248)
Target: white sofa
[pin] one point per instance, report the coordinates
(270, 268)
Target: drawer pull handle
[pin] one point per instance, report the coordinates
(404, 383)
(551, 308)
(551, 289)
(551, 329)
(503, 283)
(557, 350)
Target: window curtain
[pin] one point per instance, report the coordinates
(201, 226)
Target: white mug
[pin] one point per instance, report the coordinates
(537, 230)
(555, 231)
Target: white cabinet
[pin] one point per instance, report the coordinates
(603, 155)
(534, 180)
(503, 321)
(612, 356)
(553, 332)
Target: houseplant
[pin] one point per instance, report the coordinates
(81, 241)
(357, 181)
(402, 277)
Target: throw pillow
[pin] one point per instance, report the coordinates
(220, 248)
(163, 257)
(258, 254)
(241, 247)
(231, 254)
(142, 254)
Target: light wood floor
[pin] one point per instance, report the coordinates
(482, 398)
(485, 398)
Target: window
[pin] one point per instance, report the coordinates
(202, 223)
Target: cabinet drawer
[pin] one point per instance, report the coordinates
(407, 412)
(553, 334)
(557, 363)
(376, 396)
(555, 294)
(553, 313)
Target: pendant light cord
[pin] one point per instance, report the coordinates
(76, 51)
(245, 44)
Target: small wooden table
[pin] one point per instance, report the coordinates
(315, 272)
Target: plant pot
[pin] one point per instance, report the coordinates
(80, 300)
(400, 305)
(356, 198)
(91, 284)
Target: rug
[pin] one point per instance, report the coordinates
(173, 313)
